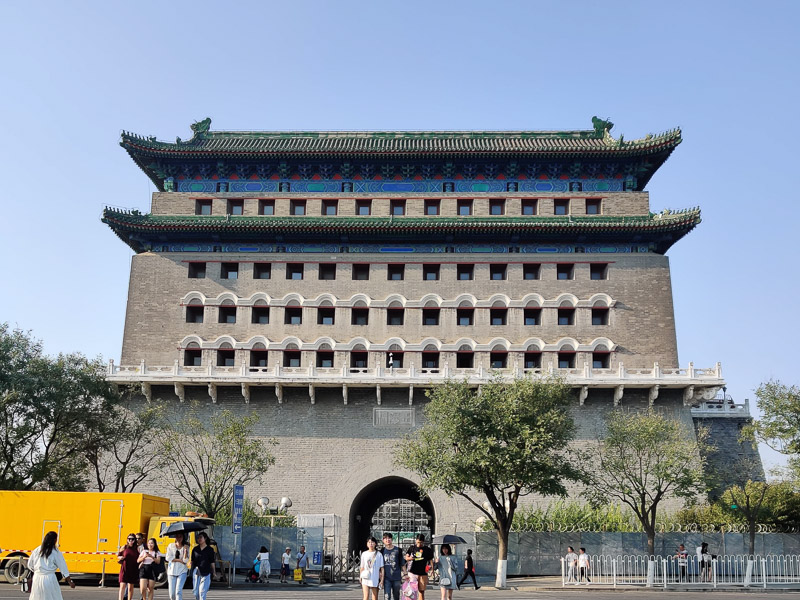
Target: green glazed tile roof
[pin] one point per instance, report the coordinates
(664, 228)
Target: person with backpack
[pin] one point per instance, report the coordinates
(392, 568)
(263, 565)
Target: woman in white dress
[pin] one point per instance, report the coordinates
(44, 562)
(371, 570)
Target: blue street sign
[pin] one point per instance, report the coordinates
(238, 508)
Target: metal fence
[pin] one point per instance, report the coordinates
(675, 571)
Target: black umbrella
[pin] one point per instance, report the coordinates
(447, 539)
(183, 527)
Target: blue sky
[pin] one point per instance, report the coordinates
(75, 74)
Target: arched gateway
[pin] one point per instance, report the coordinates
(389, 504)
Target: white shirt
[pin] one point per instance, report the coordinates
(173, 552)
(583, 560)
(571, 558)
(286, 557)
(371, 565)
(45, 565)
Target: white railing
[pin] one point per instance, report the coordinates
(702, 378)
(674, 571)
(722, 408)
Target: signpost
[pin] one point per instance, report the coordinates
(236, 525)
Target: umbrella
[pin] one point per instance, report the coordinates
(447, 539)
(183, 527)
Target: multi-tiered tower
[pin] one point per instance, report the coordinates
(325, 279)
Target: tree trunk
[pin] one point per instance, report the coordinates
(502, 558)
(752, 526)
(651, 539)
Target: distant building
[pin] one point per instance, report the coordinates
(325, 280)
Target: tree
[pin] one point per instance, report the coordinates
(50, 409)
(207, 461)
(748, 501)
(779, 425)
(645, 458)
(126, 448)
(506, 441)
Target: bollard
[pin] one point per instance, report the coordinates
(103, 574)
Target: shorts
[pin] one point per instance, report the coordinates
(146, 572)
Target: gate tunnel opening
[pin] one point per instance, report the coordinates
(372, 497)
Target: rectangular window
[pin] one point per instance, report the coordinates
(266, 207)
(398, 207)
(465, 272)
(192, 357)
(363, 208)
(394, 360)
(566, 360)
(325, 360)
(593, 206)
(598, 271)
(330, 208)
(566, 316)
(431, 208)
(291, 358)
(327, 271)
(530, 207)
(226, 358)
(202, 207)
(229, 270)
(430, 316)
(533, 360)
(396, 272)
(600, 360)
(430, 360)
(465, 360)
(498, 360)
(430, 272)
(197, 270)
(293, 315)
(360, 272)
(498, 316)
(360, 316)
(294, 270)
(297, 208)
(326, 316)
(464, 208)
(260, 315)
(561, 207)
(530, 271)
(394, 316)
(258, 358)
(358, 360)
(194, 314)
(564, 271)
(227, 314)
(262, 270)
(236, 207)
(497, 207)
(465, 316)
(533, 316)
(497, 272)
(599, 316)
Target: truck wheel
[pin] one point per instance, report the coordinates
(14, 571)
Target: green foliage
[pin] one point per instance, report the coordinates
(206, 460)
(706, 515)
(505, 442)
(779, 425)
(644, 458)
(574, 516)
(51, 410)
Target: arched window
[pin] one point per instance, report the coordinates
(465, 357)
(226, 355)
(192, 355)
(258, 355)
(291, 356)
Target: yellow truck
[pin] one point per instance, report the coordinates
(91, 527)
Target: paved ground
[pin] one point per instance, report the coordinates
(527, 589)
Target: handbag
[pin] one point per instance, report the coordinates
(26, 584)
(298, 574)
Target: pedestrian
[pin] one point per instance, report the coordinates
(147, 578)
(302, 564)
(584, 566)
(571, 561)
(704, 562)
(683, 561)
(128, 557)
(263, 565)
(392, 568)
(285, 558)
(448, 572)
(177, 557)
(44, 562)
(421, 557)
(469, 571)
(371, 570)
(203, 566)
